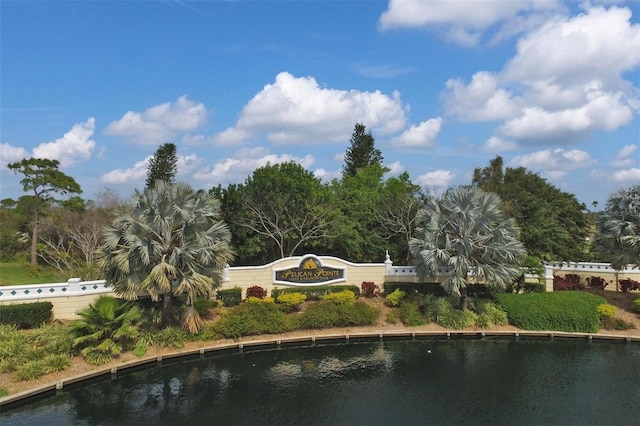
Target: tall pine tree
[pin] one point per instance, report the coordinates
(361, 153)
(163, 165)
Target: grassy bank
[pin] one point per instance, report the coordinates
(19, 273)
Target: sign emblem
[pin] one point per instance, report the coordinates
(309, 272)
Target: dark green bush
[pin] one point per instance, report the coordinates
(327, 314)
(534, 288)
(315, 292)
(410, 314)
(251, 319)
(230, 297)
(572, 311)
(202, 306)
(409, 288)
(26, 315)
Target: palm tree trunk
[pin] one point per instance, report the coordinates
(167, 309)
(463, 299)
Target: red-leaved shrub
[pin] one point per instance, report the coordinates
(256, 291)
(368, 289)
(627, 285)
(597, 283)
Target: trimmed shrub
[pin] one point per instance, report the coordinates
(251, 319)
(534, 288)
(627, 285)
(597, 283)
(573, 311)
(607, 311)
(434, 289)
(256, 291)
(315, 292)
(290, 302)
(343, 297)
(202, 306)
(410, 314)
(254, 299)
(326, 314)
(369, 289)
(395, 297)
(26, 315)
(230, 297)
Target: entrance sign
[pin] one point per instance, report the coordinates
(309, 272)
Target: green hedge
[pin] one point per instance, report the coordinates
(230, 297)
(409, 288)
(572, 311)
(327, 314)
(251, 319)
(315, 292)
(26, 315)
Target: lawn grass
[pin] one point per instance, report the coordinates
(19, 273)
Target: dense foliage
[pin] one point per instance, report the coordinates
(553, 223)
(163, 165)
(572, 311)
(26, 315)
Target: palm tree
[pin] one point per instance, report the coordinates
(464, 232)
(104, 328)
(618, 237)
(172, 242)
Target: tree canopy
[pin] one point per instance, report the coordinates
(163, 165)
(553, 223)
(42, 177)
(361, 152)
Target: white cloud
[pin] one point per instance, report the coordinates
(480, 100)
(628, 175)
(395, 168)
(421, 136)
(75, 144)
(602, 111)
(438, 180)
(243, 163)
(598, 45)
(132, 176)
(160, 123)
(298, 111)
(565, 81)
(11, 154)
(326, 175)
(555, 163)
(462, 21)
(626, 157)
(496, 144)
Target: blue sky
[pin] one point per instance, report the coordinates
(444, 87)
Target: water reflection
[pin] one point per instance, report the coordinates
(431, 382)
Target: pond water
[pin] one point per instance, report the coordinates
(461, 382)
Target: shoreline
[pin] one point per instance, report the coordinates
(290, 340)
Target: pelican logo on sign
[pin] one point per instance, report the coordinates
(310, 271)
